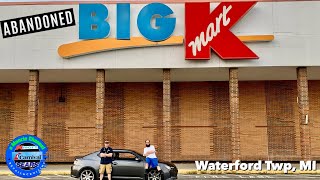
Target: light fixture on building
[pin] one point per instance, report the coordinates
(307, 119)
(62, 97)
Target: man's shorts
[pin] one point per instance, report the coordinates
(152, 162)
(105, 167)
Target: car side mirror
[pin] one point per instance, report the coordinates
(98, 154)
(138, 159)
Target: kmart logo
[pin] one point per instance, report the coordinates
(204, 30)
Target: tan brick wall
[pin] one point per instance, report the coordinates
(33, 102)
(53, 116)
(166, 111)
(282, 120)
(220, 115)
(100, 103)
(234, 113)
(205, 135)
(195, 98)
(269, 120)
(200, 118)
(303, 104)
(133, 112)
(141, 111)
(253, 121)
(114, 114)
(314, 118)
(19, 109)
(82, 118)
(6, 99)
(13, 114)
(67, 127)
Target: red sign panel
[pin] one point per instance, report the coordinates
(206, 31)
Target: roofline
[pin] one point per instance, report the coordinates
(73, 2)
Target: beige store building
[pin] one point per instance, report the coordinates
(191, 110)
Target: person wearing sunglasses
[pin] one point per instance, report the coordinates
(106, 160)
(151, 158)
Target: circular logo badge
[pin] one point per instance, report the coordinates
(26, 155)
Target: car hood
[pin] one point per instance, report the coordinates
(168, 163)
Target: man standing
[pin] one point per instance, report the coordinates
(106, 160)
(151, 160)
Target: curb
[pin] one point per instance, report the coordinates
(184, 171)
(187, 171)
(42, 173)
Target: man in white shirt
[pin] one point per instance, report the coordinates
(151, 158)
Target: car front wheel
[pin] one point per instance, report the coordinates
(87, 174)
(154, 175)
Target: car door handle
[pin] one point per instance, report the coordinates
(114, 163)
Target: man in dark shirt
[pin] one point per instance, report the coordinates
(106, 160)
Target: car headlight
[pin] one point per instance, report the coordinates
(168, 167)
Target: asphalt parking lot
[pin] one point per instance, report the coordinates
(244, 176)
(200, 177)
(11, 177)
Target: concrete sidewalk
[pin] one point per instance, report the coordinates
(64, 169)
(183, 168)
(51, 169)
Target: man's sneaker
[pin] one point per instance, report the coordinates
(146, 174)
(161, 172)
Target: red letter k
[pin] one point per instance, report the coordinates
(205, 30)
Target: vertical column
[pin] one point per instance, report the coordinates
(100, 98)
(166, 115)
(33, 102)
(234, 113)
(303, 101)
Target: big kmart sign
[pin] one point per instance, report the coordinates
(204, 30)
